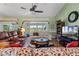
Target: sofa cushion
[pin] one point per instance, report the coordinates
(73, 44)
(7, 52)
(53, 51)
(15, 45)
(24, 52)
(72, 51)
(15, 51)
(4, 35)
(9, 33)
(49, 52)
(14, 33)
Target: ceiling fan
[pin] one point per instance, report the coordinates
(33, 9)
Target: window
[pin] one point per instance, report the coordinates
(40, 26)
(8, 27)
(36, 26)
(5, 27)
(32, 26)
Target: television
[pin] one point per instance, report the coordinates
(70, 30)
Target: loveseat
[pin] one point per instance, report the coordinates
(52, 51)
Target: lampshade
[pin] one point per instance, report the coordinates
(22, 29)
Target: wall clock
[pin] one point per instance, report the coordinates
(73, 16)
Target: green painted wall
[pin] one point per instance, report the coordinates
(63, 14)
(52, 24)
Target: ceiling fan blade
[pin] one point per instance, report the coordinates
(38, 11)
(22, 8)
(33, 8)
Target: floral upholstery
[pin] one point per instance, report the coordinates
(24, 52)
(6, 52)
(56, 52)
(15, 52)
(49, 52)
(72, 51)
(52, 51)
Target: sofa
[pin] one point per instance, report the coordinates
(63, 40)
(8, 35)
(10, 39)
(51, 51)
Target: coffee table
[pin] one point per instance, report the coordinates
(40, 42)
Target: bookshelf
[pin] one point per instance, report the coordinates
(59, 26)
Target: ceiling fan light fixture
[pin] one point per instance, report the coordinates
(33, 8)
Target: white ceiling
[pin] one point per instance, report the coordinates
(14, 10)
